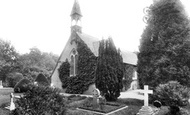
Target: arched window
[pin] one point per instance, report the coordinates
(73, 63)
(72, 66)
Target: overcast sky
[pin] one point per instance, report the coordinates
(45, 24)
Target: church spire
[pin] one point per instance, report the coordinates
(76, 17)
(76, 9)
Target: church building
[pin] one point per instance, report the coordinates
(71, 54)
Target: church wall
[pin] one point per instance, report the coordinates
(55, 80)
(129, 74)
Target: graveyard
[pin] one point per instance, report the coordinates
(94, 77)
(88, 105)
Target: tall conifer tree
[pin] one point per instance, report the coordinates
(165, 45)
(109, 72)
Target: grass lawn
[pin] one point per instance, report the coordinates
(5, 95)
(4, 100)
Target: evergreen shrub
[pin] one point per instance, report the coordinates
(109, 70)
(41, 100)
(22, 86)
(173, 94)
(164, 52)
(41, 80)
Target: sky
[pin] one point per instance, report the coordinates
(45, 24)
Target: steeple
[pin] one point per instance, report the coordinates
(76, 17)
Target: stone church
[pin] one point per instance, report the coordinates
(70, 51)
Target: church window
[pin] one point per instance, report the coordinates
(73, 63)
(72, 66)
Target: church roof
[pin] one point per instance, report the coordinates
(76, 9)
(129, 57)
(93, 44)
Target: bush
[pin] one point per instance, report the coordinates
(41, 100)
(13, 78)
(181, 112)
(172, 94)
(41, 80)
(22, 86)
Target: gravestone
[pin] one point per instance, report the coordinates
(146, 110)
(1, 84)
(96, 95)
(12, 104)
(11, 107)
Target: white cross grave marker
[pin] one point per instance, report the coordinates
(146, 92)
(146, 110)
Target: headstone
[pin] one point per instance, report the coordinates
(12, 104)
(96, 95)
(146, 110)
(1, 84)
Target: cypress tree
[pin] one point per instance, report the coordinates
(109, 71)
(165, 45)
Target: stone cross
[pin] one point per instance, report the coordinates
(146, 92)
(146, 110)
(1, 84)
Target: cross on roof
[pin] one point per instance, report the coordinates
(146, 92)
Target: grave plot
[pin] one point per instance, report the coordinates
(98, 105)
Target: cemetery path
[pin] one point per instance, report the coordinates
(132, 94)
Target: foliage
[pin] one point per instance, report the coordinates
(64, 71)
(165, 45)
(8, 59)
(41, 101)
(110, 70)
(41, 80)
(22, 86)
(172, 94)
(128, 75)
(36, 62)
(13, 78)
(85, 71)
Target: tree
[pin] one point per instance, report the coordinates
(36, 62)
(109, 72)
(165, 45)
(13, 78)
(8, 59)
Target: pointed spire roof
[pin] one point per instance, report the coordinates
(76, 8)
